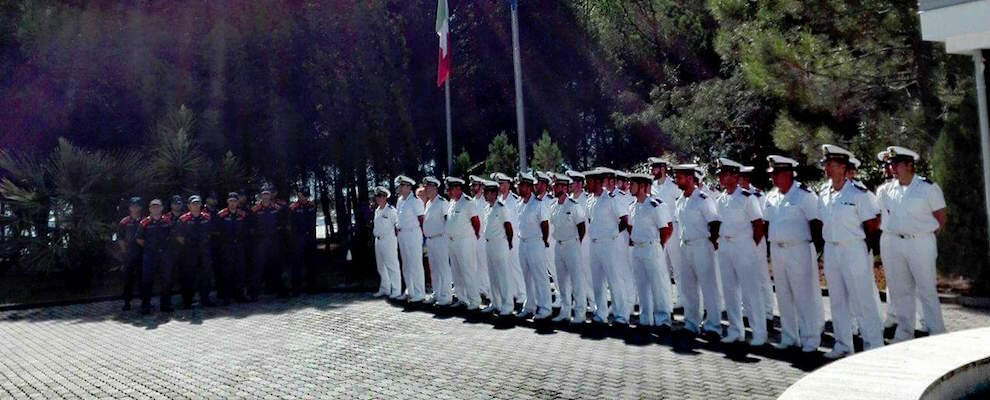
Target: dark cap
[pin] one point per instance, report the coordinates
(135, 201)
(233, 196)
(176, 199)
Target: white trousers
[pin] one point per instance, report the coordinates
(625, 266)
(387, 261)
(411, 249)
(766, 284)
(849, 279)
(795, 275)
(533, 259)
(571, 278)
(605, 270)
(700, 276)
(652, 285)
(673, 254)
(516, 272)
(482, 275)
(497, 252)
(437, 249)
(586, 267)
(911, 262)
(742, 287)
(463, 266)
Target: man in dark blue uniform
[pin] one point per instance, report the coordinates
(302, 215)
(267, 222)
(127, 231)
(283, 247)
(212, 207)
(231, 223)
(194, 229)
(155, 236)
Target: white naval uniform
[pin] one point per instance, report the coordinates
(411, 245)
(584, 201)
(511, 201)
(605, 212)
(766, 284)
(548, 201)
(497, 251)
(532, 255)
(438, 248)
(652, 279)
(668, 193)
(463, 257)
(564, 218)
(795, 268)
(846, 270)
(911, 251)
(698, 272)
(625, 250)
(387, 250)
(738, 267)
(869, 261)
(482, 276)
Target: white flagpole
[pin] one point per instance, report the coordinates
(450, 143)
(517, 68)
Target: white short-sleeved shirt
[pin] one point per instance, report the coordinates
(880, 193)
(434, 223)
(498, 215)
(667, 192)
(908, 209)
(737, 211)
(647, 219)
(604, 214)
(789, 214)
(386, 220)
(532, 213)
(693, 215)
(459, 214)
(564, 219)
(409, 209)
(843, 212)
(512, 201)
(481, 207)
(582, 199)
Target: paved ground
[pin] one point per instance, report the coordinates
(353, 346)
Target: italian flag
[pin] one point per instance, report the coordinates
(443, 30)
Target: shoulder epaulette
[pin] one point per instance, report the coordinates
(185, 217)
(126, 220)
(926, 180)
(441, 198)
(145, 222)
(702, 195)
(860, 187)
(224, 213)
(500, 203)
(570, 199)
(758, 193)
(257, 207)
(206, 216)
(745, 192)
(611, 194)
(655, 202)
(468, 198)
(804, 188)
(513, 194)
(294, 206)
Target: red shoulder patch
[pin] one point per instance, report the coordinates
(224, 213)
(294, 206)
(126, 220)
(206, 216)
(185, 217)
(145, 222)
(257, 208)
(241, 214)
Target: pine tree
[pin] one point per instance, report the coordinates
(546, 154)
(502, 156)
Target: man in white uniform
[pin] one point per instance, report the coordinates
(567, 221)
(478, 199)
(464, 229)
(386, 245)
(608, 217)
(437, 242)
(665, 190)
(651, 227)
(914, 210)
(698, 224)
(851, 169)
(534, 238)
(792, 216)
(741, 229)
(766, 284)
(498, 241)
(848, 219)
(544, 182)
(621, 191)
(578, 194)
(511, 200)
(410, 227)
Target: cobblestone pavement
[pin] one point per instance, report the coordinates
(354, 346)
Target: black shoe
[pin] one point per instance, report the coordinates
(207, 303)
(186, 306)
(145, 310)
(166, 308)
(126, 307)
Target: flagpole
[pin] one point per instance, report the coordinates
(450, 143)
(517, 68)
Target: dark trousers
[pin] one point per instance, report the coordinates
(301, 261)
(268, 268)
(232, 279)
(131, 273)
(153, 263)
(196, 272)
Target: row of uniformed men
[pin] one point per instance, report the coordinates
(239, 245)
(607, 243)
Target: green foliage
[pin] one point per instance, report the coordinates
(462, 164)
(229, 176)
(546, 154)
(963, 246)
(177, 163)
(502, 156)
